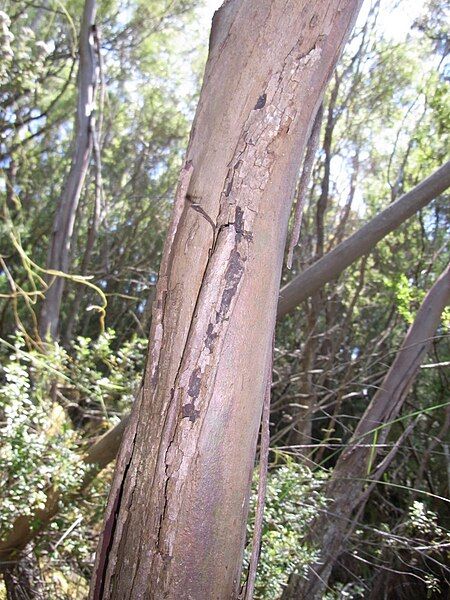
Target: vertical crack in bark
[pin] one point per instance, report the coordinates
(248, 175)
(249, 172)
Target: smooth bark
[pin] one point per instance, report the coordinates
(357, 462)
(176, 517)
(63, 227)
(361, 242)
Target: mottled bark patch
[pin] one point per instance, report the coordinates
(210, 337)
(261, 102)
(194, 383)
(233, 276)
(190, 412)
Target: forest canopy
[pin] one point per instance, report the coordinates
(97, 101)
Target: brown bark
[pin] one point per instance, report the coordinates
(362, 242)
(64, 222)
(355, 464)
(175, 523)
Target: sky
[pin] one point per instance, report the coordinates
(396, 17)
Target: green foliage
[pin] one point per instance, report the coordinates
(408, 297)
(105, 377)
(40, 445)
(292, 501)
(424, 521)
(67, 546)
(22, 57)
(390, 130)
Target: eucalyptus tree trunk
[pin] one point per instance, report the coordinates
(176, 516)
(356, 463)
(63, 226)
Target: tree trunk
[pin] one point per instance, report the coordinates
(362, 242)
(59, 252)
(313, 279)
(176, 517)
(355, 464)
(322, 202)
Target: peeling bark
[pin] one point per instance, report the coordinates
(175, 523)
(356, 463)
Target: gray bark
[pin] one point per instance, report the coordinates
(63, 227)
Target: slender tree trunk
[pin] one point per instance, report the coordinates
(357, 461)
(362, 242)
(322, 202)
(98, 209)
(63, 226)
(176, 517)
